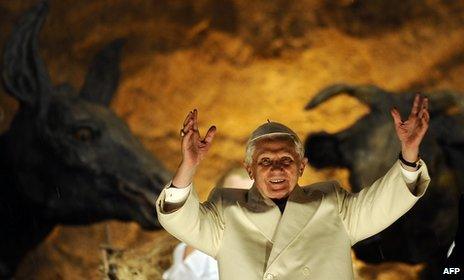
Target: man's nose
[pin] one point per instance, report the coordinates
(277, 165)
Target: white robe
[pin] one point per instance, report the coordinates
(196, 266)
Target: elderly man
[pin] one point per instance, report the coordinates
(278, 229)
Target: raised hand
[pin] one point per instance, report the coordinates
(411, 131)
(194, 148)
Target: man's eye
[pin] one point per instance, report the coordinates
(265, 162)
(287, 161)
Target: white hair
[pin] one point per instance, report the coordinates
(251, 146)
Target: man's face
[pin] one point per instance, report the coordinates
(276, 167)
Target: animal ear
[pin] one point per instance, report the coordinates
(103, 75)
(372, 96)
(24, 74)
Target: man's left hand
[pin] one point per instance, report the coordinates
(412, 131)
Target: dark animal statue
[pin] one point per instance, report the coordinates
(67, 158)
(369, 148)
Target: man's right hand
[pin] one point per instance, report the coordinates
(194, 149)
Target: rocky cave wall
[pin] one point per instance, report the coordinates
(240, 63)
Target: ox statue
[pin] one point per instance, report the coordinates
(67, 158)
(368, 149)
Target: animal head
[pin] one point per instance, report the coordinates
(72, 157)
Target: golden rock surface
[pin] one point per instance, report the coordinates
(239, 63)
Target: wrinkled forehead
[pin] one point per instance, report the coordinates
(275, 146)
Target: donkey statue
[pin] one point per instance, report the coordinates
(67, 158)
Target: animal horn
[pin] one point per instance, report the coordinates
(24, 73)
(441, 101)
(370, 95)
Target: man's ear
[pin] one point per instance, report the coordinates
(303, 164)
(249, 170)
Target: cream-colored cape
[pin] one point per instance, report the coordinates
(250, 238)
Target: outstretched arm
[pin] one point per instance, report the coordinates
(376, 207)
(197, 224)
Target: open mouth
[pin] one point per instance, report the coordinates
(277, 181)
(145, 201)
